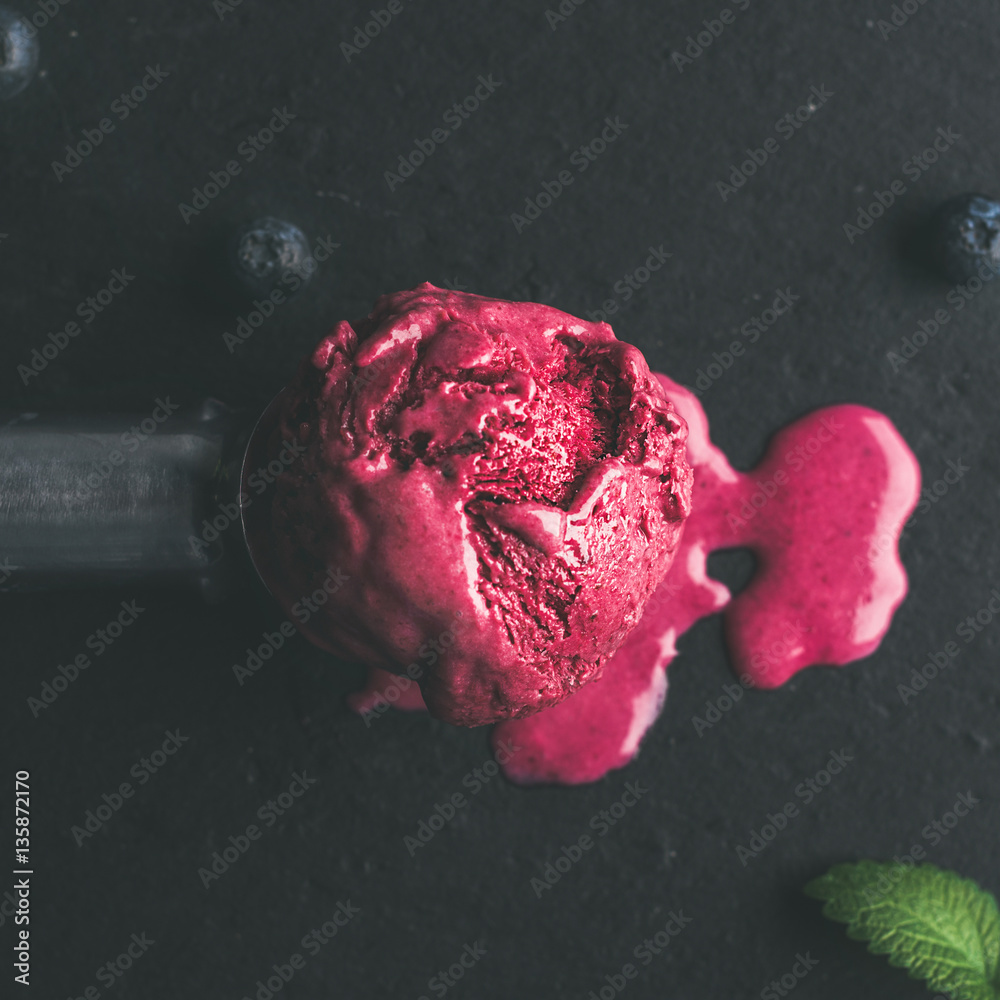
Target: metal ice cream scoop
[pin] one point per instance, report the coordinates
(98, 500)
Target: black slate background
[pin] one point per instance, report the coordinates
(450, 223)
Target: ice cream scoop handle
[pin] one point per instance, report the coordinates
(89, 499)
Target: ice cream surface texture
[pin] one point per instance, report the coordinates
(822, 512)
(502, 485)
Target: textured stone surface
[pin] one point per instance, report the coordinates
(655, 186)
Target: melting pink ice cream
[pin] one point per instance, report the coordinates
(499, 469)
(822, 513)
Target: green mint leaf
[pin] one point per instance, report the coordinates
(938, 926)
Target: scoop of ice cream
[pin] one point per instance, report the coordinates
(501, 484)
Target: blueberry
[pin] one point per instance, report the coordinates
(18, 53)
(267, 250)
(966, 235)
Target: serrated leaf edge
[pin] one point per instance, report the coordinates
(823, 888)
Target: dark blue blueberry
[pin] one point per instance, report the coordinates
(268, 250)
(18, 53)
(966, 234)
